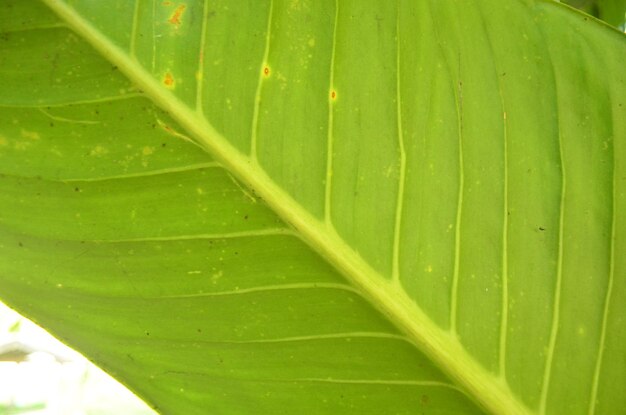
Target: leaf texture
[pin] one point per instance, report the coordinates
(611, 11)
(394, 189)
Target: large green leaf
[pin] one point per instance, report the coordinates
(412, 206)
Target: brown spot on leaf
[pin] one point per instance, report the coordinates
(168, 80)
(175, 18)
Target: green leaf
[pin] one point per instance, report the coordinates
(411, 207)
(611, 11)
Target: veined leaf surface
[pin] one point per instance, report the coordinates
(403, 207)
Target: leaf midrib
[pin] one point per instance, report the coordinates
(387, 296)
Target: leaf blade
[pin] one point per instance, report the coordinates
(368, 269)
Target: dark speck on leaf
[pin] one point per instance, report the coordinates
(76, 189)
(542, 228)
(21, 245)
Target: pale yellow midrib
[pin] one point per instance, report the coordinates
(490, 391)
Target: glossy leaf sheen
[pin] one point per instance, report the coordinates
(321, 207)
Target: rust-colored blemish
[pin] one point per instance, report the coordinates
(333, 95)
(168, 80)
(167, 128)
(266, 71)
(177, 15)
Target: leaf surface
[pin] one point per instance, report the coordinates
(611, 11)
(452, 177)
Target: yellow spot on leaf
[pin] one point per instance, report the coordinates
(21, 145)
(216, 276)
(146, 151)
(31, 135)
(98, 151)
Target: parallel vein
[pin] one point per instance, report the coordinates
(459, 209)
(133, 32)
(329, 146)
(267, 288)
(607, 301)
(200, 72)
(395, 273)
(317, 337)
(265, 70)
(557, 290)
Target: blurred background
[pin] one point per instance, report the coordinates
(39, 375)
